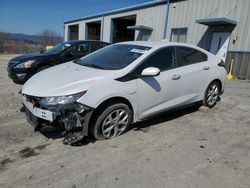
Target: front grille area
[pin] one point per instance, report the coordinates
(33, 100)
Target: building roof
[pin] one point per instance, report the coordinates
(131, 8)
(140, 28)
(216, 21)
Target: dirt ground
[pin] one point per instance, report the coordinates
(187, 148)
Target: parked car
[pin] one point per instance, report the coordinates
(21, 68)
(122, 84)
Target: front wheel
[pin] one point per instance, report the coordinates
(212, 94)
(112, 121)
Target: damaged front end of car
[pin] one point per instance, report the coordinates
(59, 111)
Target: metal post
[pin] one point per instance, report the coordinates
(166, 21)
(230, 75)
(102, 28)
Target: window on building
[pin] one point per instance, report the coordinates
(179, 35)
(187, 56)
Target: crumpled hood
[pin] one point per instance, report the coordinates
(65, 79)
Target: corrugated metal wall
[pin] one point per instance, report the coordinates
(184, 13)
(241, 68)
(152, 17)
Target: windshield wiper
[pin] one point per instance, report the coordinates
(92, 66)
(76, 61)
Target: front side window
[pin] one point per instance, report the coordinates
(179, 35)
(164, 59)
(59, 48)
(187, 56)
(81, 48)
(114, 57)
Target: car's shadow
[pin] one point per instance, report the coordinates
(164, 117)
(53, 133)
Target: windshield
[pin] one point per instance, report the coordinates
(58, 48)
(114, 57)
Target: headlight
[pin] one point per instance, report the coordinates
(61, 100)
(26, 64)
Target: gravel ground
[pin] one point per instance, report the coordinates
(187, 148)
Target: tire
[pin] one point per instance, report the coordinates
(212, 94)
(43, 68)
(106, 124)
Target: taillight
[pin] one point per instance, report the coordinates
(222, 64)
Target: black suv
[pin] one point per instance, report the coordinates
(21, 68)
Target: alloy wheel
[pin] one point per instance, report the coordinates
(212, 94)
(115, 123)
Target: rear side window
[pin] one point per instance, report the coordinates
(164, 59)
(188, 56)
(97, 46)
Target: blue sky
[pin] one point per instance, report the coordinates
(32, 16)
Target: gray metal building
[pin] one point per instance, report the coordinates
(219, 26)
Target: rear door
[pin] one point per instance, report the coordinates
(190, 75)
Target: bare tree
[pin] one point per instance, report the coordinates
(4, 37)
(48, 37)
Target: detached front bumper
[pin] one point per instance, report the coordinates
(74, 117)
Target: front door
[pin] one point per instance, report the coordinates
(219, 44)
(154, 93)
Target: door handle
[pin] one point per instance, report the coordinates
(206, 68)
(176, 77)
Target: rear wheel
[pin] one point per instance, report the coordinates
(212, 94)
(111, 122)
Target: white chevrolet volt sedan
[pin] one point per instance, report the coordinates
(104, 92)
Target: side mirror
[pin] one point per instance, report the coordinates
(41, 50)
(150, 71)
(68, 54)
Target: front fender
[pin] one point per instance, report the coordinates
(96, 95)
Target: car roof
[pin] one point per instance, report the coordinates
(160, 44)
(79, 41)
(141, 43)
